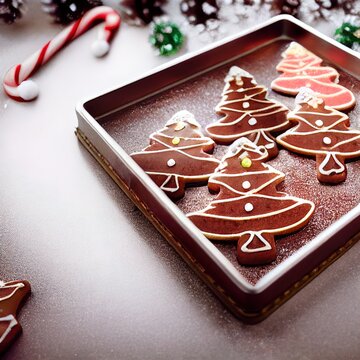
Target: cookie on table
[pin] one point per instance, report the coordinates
(248, 112)
(12, 295)
(301, 68)
(323, 132)
(248, 208)
(178, 155)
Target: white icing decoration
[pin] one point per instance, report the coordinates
(326, 140)
(246, 105)
(244, 144)
(168, 179)
(252, 121)
(28, 90)
(236, 73)
(183, 116)
(246, 185)
(12, 322)
(266, 247)
(171, 163)
(319, 123)
(249, 207)
(7, 286)
(322, 166)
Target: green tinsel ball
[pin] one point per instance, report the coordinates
(167, 38)
(348, 34)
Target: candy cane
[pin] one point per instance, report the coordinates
(15, 82)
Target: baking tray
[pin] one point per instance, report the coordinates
(118, 122)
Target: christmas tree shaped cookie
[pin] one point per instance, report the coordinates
(247, 112)
(12, 296)
(324, 133)
(178, 155)
(248, 208)
(301, 68)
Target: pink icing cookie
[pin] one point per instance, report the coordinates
(178, 155)
(323, 132)
(301, 68)
(248, 207)
(247, 112)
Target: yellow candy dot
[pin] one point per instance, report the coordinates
(179, 126)
(175, 140)
(246, 162)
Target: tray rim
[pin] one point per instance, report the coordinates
(280, 270)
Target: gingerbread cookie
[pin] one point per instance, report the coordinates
(12, 296)
(247, 112)
(324, 133)
(178, 155)
(301, 68)
(248, 208)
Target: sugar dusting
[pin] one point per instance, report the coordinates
(131, 128)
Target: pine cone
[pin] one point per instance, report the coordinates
(66, 11)
(290, 7)
(11, 10)
(199, 12)
(142, 11)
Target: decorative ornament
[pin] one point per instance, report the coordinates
(248, 208)
(199, 11)
(12, 296)
(290, 7)
(16, 82)
(171, 166)
(167, 38)
(142, 11)
(67, 11)
(348, 34)
(11, 10)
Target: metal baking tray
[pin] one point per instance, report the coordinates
(118, 122)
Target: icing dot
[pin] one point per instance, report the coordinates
(246, 185)
(252, 121)
(175, 140)
(171, 163)
(326, 140)
(249, 207)
(245, 105)
(246, 162)
(179, 126)
(319, 123)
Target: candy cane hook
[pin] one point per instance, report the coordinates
(16, 83)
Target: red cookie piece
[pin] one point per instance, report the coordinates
(248, 208)
(301, 68)
(178, 155)
(12, 295)
(323, 132)
(247, 112)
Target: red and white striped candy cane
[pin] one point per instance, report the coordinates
(16, 83)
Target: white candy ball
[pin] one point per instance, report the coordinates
(28, 90)
(100, 48)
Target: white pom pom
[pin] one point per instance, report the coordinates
(28, 90)
(100, 48)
